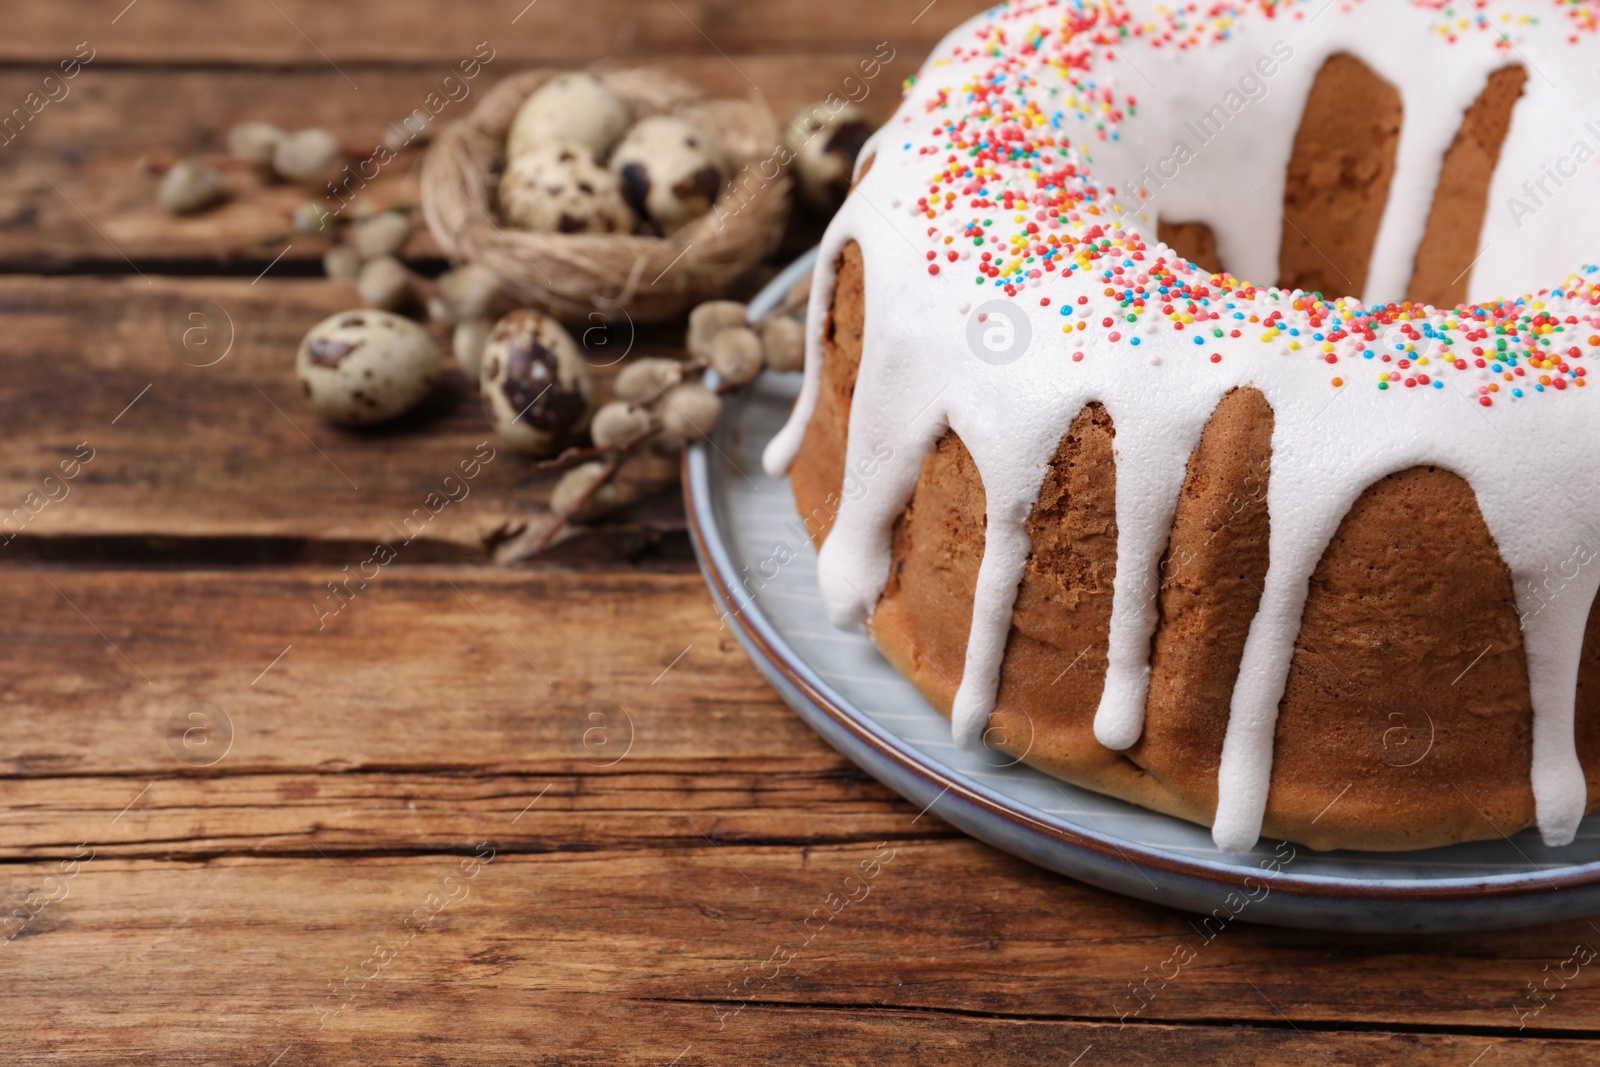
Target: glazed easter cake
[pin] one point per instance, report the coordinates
(1314, 561)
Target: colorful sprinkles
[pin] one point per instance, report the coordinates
(1013, 199)
(1458, 19)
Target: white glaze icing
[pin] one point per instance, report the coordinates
(1534, 463)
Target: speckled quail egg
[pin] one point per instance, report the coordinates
(362, 367)
(535, 384)
(572, 108)
(825, 147)
(670, 170)
(560, 189)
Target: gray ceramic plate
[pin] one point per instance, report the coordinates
(849, 694)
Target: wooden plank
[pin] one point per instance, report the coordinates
(322, 34)
(465, 1023)
(241, 956)
(1015, 940)
(101, 369)
(579, 799)
(426, 668)
(77, 190)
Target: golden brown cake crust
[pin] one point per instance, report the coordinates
(1450, 242)
(1055, 659)
(1211, 579)
(925, 612)
(818, 471)
(1406, 720)
(1408, 690)
(1338, 179)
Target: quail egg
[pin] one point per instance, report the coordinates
(362, 367)
(382, 234)
(385, 283)
(670, 170)
(572, 108)
(825, 146)
(473, 291)
(468, 340)
(559, 188)
(341, 262)
(535, 384)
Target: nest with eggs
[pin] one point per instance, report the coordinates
(611, 276)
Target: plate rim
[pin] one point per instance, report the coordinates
(771, 651)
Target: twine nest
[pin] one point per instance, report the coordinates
(610, 277)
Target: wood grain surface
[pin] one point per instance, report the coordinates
(472, 814)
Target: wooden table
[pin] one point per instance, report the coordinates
(483, 814)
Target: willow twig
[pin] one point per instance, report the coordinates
(583, 453)
(565, 517)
